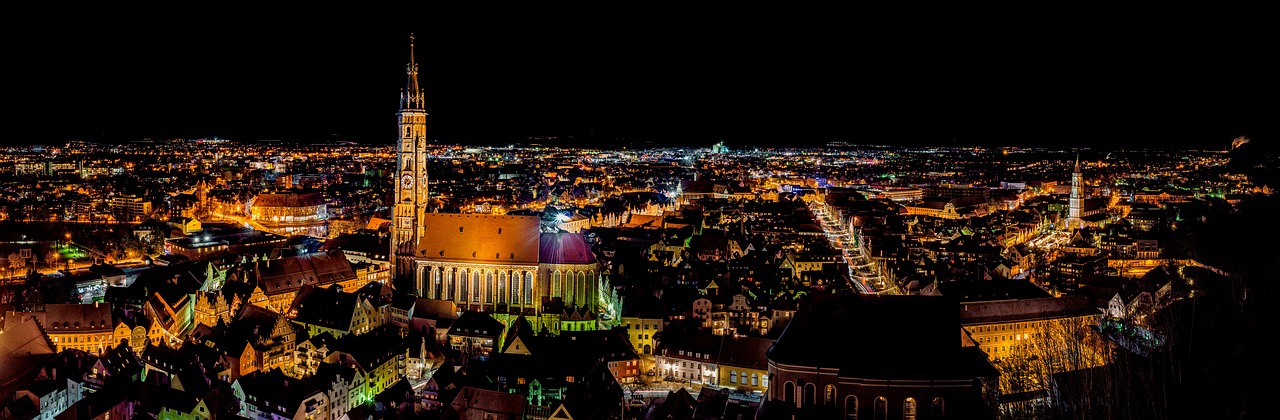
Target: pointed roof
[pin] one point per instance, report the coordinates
(412, 97)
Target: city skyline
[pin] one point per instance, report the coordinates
(590, 273)
(696, 83)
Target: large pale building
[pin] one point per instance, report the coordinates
(1075, 203)
(486, 263)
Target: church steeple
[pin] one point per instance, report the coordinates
(411, 193)
(411, 97)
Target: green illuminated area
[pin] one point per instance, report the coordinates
(70, 252)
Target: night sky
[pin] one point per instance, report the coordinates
(767, 79)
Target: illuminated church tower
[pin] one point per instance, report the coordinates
(411, 173)
(1075, 204)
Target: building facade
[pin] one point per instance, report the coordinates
(411, 173)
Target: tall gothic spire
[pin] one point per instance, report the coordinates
(1077, 163)
(411, 97)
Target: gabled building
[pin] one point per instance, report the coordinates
(343, 385)
(276, 282)
(332, 311)
(381, 355)
(475, 334)
(273, 395)
(476, 403)
(689, 355)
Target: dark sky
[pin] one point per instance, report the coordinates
(770, 78)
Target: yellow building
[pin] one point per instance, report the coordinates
(138, 331)
(1015, 332)
(643, 318)
(743, 364)
(86, 327)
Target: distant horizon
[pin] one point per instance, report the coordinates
(571, 142)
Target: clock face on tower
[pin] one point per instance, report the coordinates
(406, 181)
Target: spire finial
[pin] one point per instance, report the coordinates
(1077, 162)
(412, 97)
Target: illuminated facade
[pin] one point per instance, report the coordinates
(86, 327)
(743, 364)
(506, 265)
(1075, 204)
(411, 199)
(291, 214)
(487, 263)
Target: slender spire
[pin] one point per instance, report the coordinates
(411, 97)
(1077, 163)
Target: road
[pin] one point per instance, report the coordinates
(864, 274)
(239, 219)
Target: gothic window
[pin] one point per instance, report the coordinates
(463, 286)
(939, 408)
(909, 409)
(502, 287)
(435, 283)
(488, 287)
(513, 291)
(517, 284)
(755, 379)
(449, 285)
(555, 284)
(582, 288)
(475, 286)
(528, 287)
(851, 408)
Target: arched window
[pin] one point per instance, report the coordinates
(568, 288)
(462, 286)
(475, 286)
(829, 395)
(810, 394)
(939, 408)
(789, 392)
(882, 409)
(513, 290)
(436, 291)
(581, 290)
(444, 288)
(733, 377)
(851, 408)
(516, 285)
(555, 284)
(488, 287)
(528, 287)
(909, 409)
(755, 379)
(502, 287)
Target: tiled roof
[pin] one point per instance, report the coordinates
(62, 318)
(480, 238)
(565, 248)
(973, 313)
(289, 200)
(290, 273)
